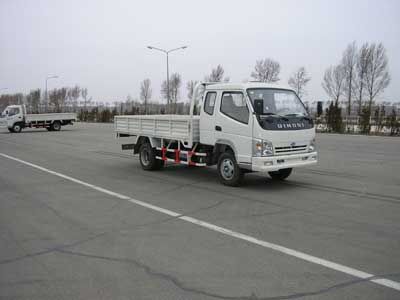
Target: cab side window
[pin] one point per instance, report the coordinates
(13, 111)
(233, 104)
(209, 102)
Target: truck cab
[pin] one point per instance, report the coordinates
(13, 117)
(266, 127)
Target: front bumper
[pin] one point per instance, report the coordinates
(275, 163)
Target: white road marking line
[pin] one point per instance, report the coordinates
(301, 255)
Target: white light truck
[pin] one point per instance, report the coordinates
(241, 128)
(15, 118)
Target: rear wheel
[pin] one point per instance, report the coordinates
(147, 158)
(16, 128)
(281, 174)
(56, 126)
(228, 170)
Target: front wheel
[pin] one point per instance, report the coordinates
(147, 158)
(16, 128)
(228, 170)
(281, 174)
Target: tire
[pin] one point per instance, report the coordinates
(48, 128)
(228, 170)
(17, 128)
(55, 126)
(10, 130)
(281, 174)
(147, 158)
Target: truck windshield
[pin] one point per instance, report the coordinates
(278, 102)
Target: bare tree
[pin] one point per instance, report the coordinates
(164, 91)
(361, 70)
(62, 96)
(33, 99)
(10, 99)
(145, 92)
(377, 77)
(29, 105)
(175, 83)
(69, 96)
(74, 94)
(53, 98)
(299, 80)
(57, 98)
(190, 85)
(84, 93)
(266, 70)
(216, 75)
(333, 82)
(349, 61)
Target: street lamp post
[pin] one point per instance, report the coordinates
(167, 52)
(45, 95)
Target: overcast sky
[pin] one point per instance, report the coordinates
(101, 45)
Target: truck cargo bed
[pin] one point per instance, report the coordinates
(50, 117)
(174, 127)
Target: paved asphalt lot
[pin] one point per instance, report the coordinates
(61, 239)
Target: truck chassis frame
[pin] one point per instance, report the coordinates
(183, 156)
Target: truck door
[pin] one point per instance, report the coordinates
(207, 116)
(14, 115)
(233, 125)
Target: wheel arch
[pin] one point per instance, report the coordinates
(21, 124)
(222, 146)
(154, 142)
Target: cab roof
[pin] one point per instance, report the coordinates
(244, 86)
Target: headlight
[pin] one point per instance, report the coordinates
(262, 148)
(313, 146)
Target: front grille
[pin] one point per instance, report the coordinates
(290, 149)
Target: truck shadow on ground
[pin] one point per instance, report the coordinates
(39, 131)
(195, 177)
(209, 176)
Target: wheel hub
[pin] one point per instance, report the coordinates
(145, 157)
(227, 169)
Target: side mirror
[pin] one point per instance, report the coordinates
(259, 106)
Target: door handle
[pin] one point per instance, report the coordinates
(218, 128)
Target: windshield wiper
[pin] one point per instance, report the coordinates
(303, 117)
(274, 114)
